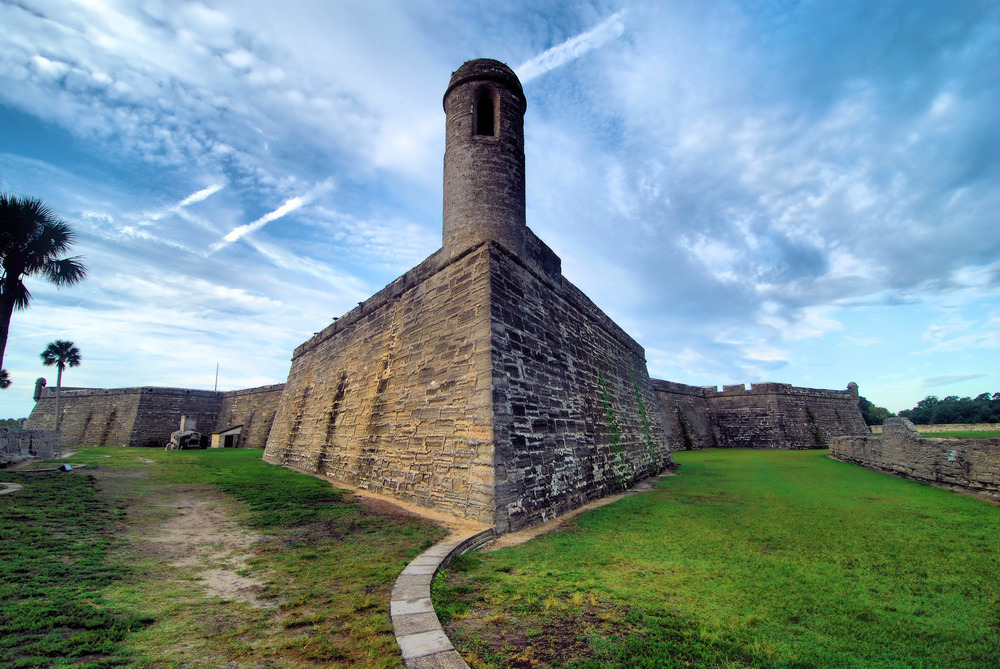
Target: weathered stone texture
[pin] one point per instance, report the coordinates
(254, 409)
(968, 464)
(575, 414)
(484, 195)
(90, 416)
(395, 396)
(476, 386)
(686, 414)
(768, 415)
(148, 416)
(18, 445)
(158, 415)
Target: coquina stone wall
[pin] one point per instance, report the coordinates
(19, 445)
(147, 416)
(575, 413)
(90, 416)
(160, 410)
(483, 386)
(254, 409)
(395, 396)
(767, 415)
(968, 464)
(686, 414)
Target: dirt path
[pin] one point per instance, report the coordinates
(202, 541)
(189, 530)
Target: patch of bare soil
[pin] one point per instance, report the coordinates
(201, 541)
(530, 641)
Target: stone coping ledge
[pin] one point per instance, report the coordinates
(418, 631)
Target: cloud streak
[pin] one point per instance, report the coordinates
(573, 48)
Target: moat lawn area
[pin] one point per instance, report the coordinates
(743, 559)
(146, 558)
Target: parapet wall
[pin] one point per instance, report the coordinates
(972, 465)
(767, 415)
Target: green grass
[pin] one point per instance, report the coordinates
(326, 562)
(55, 538)
(963, 434)
(744, 558)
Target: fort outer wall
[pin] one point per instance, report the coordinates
(147, 416)
(395, 396)
(971, 465)
(481, 385)
(574, 411)
(254, 409)
(768, 415)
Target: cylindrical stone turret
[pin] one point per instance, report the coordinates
(484, 158)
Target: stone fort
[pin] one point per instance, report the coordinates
(481, 383)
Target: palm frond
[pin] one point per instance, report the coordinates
(65, 271)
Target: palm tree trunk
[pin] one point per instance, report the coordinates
(6, 311)
(58, 387)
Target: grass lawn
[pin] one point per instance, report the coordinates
(97, 570)
(963, 434)
(744, 558)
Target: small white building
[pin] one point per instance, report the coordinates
(227, 437)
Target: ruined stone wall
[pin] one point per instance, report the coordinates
(19, 445)
(395, 396)
(254, 409)
(767, 415)
(686, 415)
(968, 464)
(90, 416)
(575, 415)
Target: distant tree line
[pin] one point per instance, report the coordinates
(872, 414)
(983, 408)
(12, 423)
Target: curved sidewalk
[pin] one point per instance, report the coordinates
(417, 628)
(414, 622)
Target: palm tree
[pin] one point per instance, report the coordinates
(61, 354)
(31, 240)
(4, 379)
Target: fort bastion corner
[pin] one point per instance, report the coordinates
(481, 383)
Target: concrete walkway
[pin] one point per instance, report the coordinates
(417, 628)
(416, 625)
(9, 488)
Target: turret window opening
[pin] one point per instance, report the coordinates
(485, 111)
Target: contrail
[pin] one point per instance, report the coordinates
(609, 28)
(236, 233)
(203, 194)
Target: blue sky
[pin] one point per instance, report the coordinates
(802, 192)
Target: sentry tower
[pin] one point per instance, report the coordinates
(484, 158)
